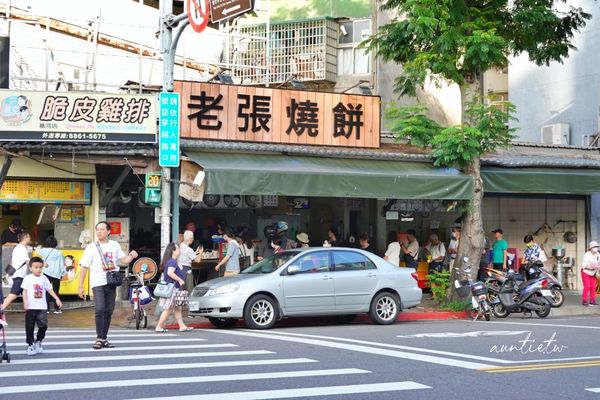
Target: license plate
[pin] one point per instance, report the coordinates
(547, 293)
(194, 305)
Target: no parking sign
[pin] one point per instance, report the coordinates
(198, 13)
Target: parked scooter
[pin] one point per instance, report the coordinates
(532, 270)
(516, 296)
(479, 306)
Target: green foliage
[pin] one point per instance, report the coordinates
(439, 282)
(455, 305)
(456, 145)
(453, 39)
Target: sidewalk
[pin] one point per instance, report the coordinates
(81, 314)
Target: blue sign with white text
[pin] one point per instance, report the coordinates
(168, 131)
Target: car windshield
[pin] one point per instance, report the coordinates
(269, 264)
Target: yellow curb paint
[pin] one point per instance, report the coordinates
(541, 367)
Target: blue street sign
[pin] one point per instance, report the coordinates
(168, 131)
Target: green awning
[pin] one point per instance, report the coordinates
(228, 173)
(540, 180)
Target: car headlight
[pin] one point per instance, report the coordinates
(226, 289)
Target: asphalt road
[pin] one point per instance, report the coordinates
(513, 358)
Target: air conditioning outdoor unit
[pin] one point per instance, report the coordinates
(555, 134)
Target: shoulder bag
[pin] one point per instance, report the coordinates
(164, 289)
(113, 277)
(10, 270)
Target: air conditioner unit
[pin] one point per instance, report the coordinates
(556, 134)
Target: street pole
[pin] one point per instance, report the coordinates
(168, 44)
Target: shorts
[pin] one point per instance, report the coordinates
(231, 273)
(16, 287)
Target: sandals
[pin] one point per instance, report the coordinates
(161, 330)
(107, 344)
(98, 345)
(186, 329)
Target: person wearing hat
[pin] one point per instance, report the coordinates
(10, 236)
(302, 239)
(589, 269)
(499, 251)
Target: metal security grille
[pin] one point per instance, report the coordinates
(302, 50)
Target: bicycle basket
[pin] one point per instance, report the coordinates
(462, 288)
(145, 296)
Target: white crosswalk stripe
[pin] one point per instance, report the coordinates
(146, 365)
(593, 390)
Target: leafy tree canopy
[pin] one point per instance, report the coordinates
(293, 10)
(451, 39)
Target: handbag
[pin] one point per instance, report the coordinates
(113, 278)
(10, 270)
(164, 289)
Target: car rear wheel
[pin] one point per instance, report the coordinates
(223, 323)
(260, 312)
(385, 308)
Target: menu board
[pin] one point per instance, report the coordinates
(47, 192)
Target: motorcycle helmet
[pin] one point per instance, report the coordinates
(281, 227)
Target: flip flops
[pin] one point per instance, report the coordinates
(161, 330)
(186, 329)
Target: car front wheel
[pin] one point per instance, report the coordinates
(260, 312)
(385, 308)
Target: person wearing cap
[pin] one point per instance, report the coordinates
(589, 269)
(10, 236)
(499, 251)
(302, 240)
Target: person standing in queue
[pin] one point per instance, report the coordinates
(499, 251)
(187, 255)
(19, 261)
(54, 268)
(363, 243)
(392, 253)
(302, 238)
(411, 249)
(231, 261)
(437, 253)
(453, 245)
(10, 236)
(101, 257)
(332, 237)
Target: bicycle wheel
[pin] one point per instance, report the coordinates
(137, 317)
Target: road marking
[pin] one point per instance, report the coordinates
(129, 357)
(541, 367)
(155, 367)
(361, 349)
(181, 380)
(75, 330)
(153, 340)
(594, 390)
(538, 324)
(92, 337)
(157, 349)
(304, 392)
(396, 346)
(445, 335)
(546, 360)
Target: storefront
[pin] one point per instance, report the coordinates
(61, 154)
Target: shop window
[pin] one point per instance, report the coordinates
(351, 261)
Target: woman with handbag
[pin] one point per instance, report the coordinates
(173, 280)
(54, 268)
(101, 259)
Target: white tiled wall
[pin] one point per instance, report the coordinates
(519, 217)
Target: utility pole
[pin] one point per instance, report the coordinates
(168, 45)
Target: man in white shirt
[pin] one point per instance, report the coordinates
(19, 260)
(99, 265)
(437, 253)
(411, 249)
(187, 255)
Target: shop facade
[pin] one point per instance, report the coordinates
(64, 160)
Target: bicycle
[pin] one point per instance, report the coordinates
(140, 296)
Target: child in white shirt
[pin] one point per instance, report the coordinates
(34, 288)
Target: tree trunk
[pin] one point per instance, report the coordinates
(472, 238)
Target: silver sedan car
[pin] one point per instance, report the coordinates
(308, 282)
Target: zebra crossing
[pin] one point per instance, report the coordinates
(178, 366)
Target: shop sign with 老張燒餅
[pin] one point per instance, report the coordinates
(77, 117)
(243, 113)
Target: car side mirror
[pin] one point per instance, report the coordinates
(293, 269)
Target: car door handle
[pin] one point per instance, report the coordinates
(326, 277)
(371, 275)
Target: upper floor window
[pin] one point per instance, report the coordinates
(351, 60)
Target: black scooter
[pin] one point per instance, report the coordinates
(516, 296)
